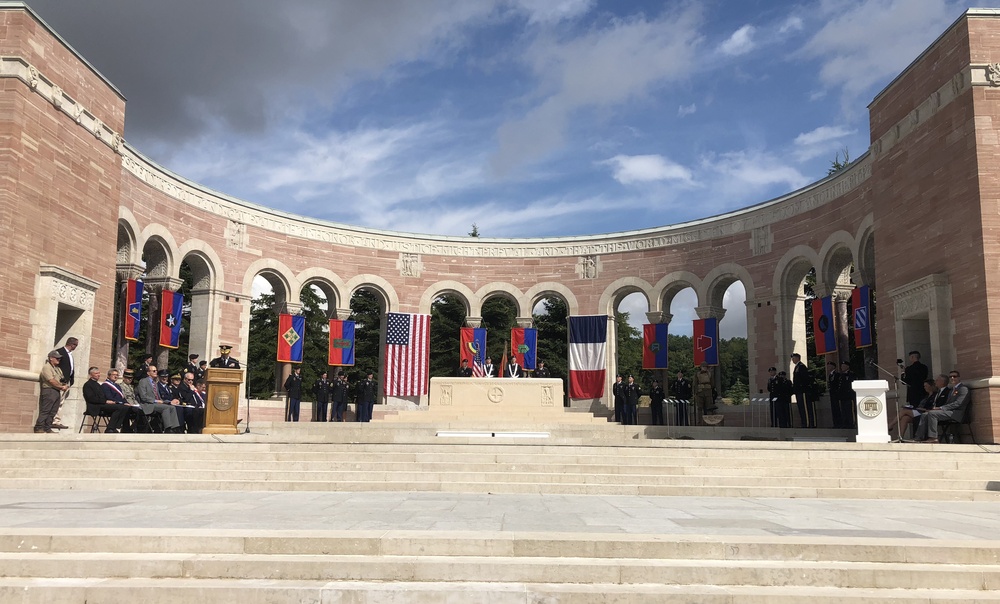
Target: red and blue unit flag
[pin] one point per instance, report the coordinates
(523, 346)
(654, 346)
(706, 341)
(133, 309)
(861, 304)
(473, 349)
(824, 325)
(341, 343)
(291, 337)
(171, 307)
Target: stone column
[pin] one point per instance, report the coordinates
(841, 294)
(204, 327)
(713, 312)
(123, 273)
(155, 285)
(655, 318)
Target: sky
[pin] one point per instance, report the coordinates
(527, 118)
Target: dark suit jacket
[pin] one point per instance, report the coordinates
(93, 393)
(64, 364)
(112, 393)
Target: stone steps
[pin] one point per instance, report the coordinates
(762, 469)
(409, 566)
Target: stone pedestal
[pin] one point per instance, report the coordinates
(873, 427)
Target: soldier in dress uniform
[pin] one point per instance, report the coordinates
(339, 393)
(618, 396)
(192, 366)
(293, 386)
(464, 370)
(542, 371)
(224, 361)
(367, 392)
(656, 397)
(703, 390)
(772, 395)
(632, 393)
(321, 390)
(681, 389)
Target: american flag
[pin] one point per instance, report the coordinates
(478, 370)
(407, 354)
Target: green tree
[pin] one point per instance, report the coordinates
(475, 230)
(553, 336)
(262, 347)
(366, 312)
(447, 320)
(837, 165)
(499, 317)
(629, 341)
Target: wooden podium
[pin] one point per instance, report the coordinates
(223, 402)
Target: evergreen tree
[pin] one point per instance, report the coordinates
(553, 336)
(498, 318)
(447, 320)
(629, 341)
(366, 312)
(262, 347)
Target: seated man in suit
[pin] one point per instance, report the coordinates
(193, 404)
(954, 408)
(99, 405)
(148, 394)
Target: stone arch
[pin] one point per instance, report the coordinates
(159, 251)
(718, 280)
(378, 285)
(128, 244)
(864, 254)
(836, 257)
(505, 290)
(207, 264)
(550, 288)
(452, 288)
(285, 285)
(792, 268)
(329, 283)
(669, 286)
(614, 293)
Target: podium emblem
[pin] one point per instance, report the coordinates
(870, 407)
(223, 401)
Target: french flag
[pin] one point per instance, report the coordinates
(588, 341)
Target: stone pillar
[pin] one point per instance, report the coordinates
(611, 362)
(123, 273)
(713, 312)
(283, 370)
(841, 294)
(790, 329)
(204, 327)
(474, 322)
(155, 285)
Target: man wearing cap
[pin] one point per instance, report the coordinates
(783, 399)
(339, 392)
(681, 389)
(223, 361)
(618, 398)
(293, 386)
(802, 384)
(367, 391)
(656, 397)
(52, 387)
(192, 366)
(147, 391)
(772, 394)
(321, 390)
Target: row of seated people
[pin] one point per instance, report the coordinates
(946, 399)
(176, 404)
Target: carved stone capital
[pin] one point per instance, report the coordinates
(288, 308)
(342, 314)
(473, 321)
(710, 312)
(152, 284)
(127, 270)
(525, 322)
(659, 317)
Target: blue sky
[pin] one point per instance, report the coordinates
(530, 118)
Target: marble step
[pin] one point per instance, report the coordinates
(255, 591)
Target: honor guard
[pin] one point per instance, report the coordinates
(224, 361)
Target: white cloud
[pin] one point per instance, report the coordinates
(791, 24)
(636, 307)
(601, 68)
(867, 42)
(551, 11)
(684, 110)
(740, 43)
(631, 169)
(820, 141)
(754, 169)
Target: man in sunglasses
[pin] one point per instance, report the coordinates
(953, 408)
